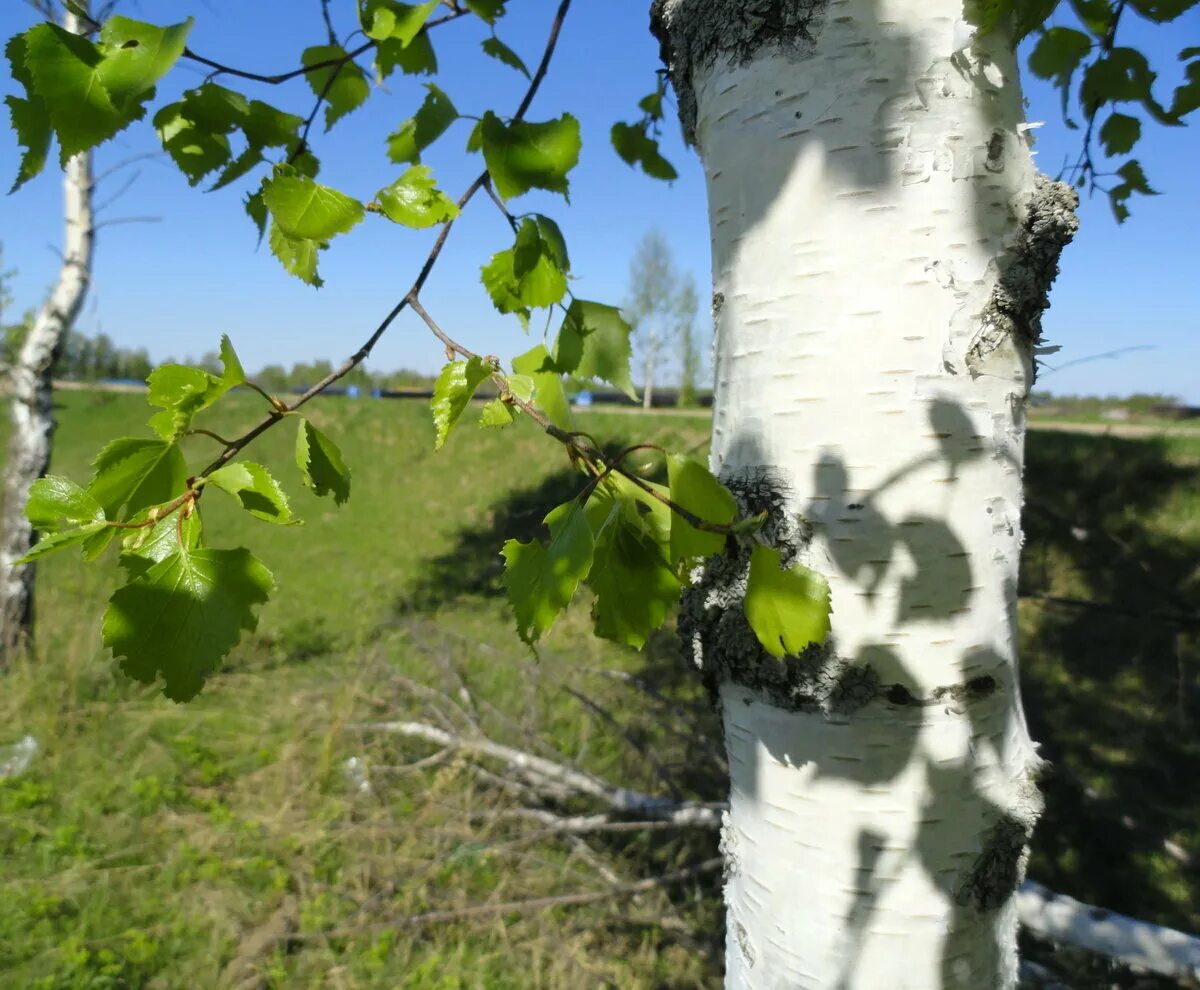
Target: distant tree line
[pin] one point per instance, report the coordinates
(1141, 405)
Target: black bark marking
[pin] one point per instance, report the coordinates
(693, 34)
(1000, 867)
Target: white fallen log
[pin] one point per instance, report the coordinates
(536, 768)
(1139, 944)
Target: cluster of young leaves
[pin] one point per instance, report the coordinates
(183, 605)
(82, 92)
(1108, 84)
(628, 542)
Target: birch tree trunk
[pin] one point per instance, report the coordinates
(31, 406)
(650, 361)
(882, 250)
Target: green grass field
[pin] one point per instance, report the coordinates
(218, 844)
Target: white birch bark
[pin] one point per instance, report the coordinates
(31, 400)
(881, 253)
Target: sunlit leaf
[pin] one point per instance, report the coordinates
(788, 608)
(453, 390)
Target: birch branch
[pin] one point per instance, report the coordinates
(620, 800)
(1140, 944)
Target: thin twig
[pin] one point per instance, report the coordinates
(509, 907)
(276, 79)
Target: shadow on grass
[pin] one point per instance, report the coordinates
(1110, 687)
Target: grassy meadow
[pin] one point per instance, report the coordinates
(229, 843)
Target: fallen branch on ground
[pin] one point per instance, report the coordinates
(537, 769)
(1043, 913)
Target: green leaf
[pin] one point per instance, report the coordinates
(256, 210)
(487, 10)
(521, 156)
(415, 201)
(693, 487)
(497, 413)
(1162, 11)
(298, 255)
(415, 59)
(654, 513)
(321, 464)
(1120, 133)
(194, 132)
(133, 473)
(62, 540)
(1133, 180)
(344, 86)
(522, 386)
(304, 209)
(787, 609)
(29, 116)
(533, 273)
(1029, 16)
(1123, 74)
(429, 123)
(1187, 95)
(31, 124)
(259, 494)
(56, 504)
(265, 127)
(59, 507)
(1096, 15)
(453, 390)
(232, 365)
(182, 392)
(636, 147)
(635, 588)
(387, 19)
(497, 49)
(137, 56)
(142, 548)
(541, 580)
(548, 390)
(652, 103)
(1058, 53)
(593, 343)
(987, 15)
(183, 615)
(65, 73)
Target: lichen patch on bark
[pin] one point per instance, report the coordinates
(693, 34)
(719, 640)
(1022, 292)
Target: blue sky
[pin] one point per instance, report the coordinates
(174, 286)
